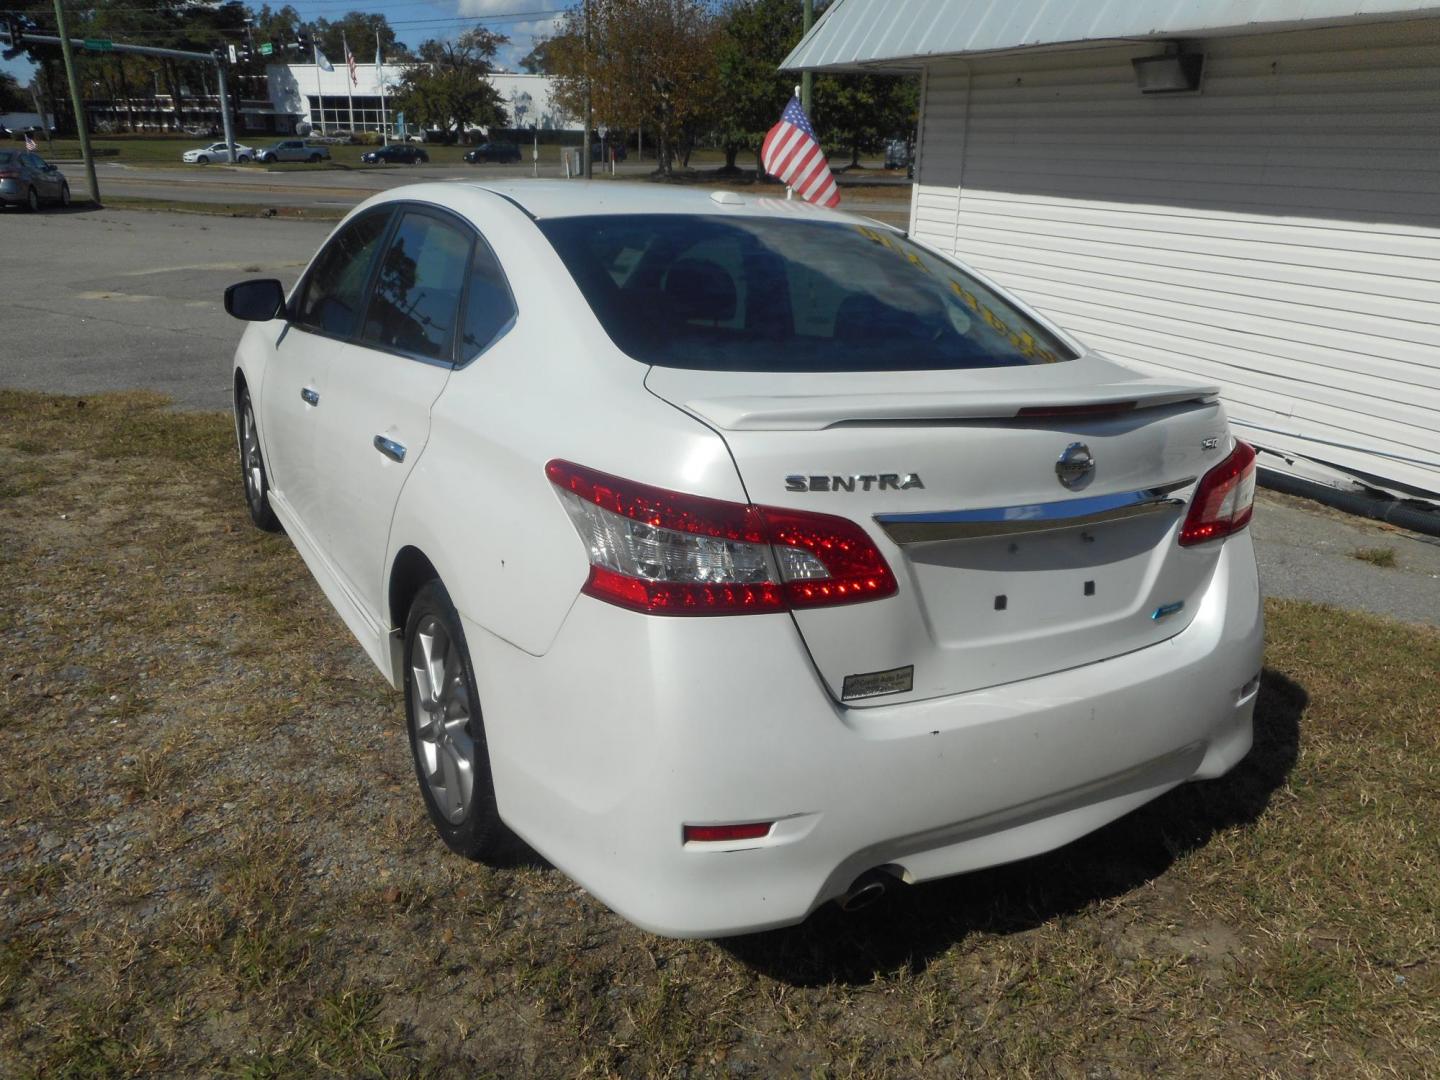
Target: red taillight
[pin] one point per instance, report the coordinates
(1223, 500)
(1104, 408)
(667, 553)
(715, 834)
(9, 176)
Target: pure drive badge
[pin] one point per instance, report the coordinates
(870, 482)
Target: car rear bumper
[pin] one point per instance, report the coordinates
(631, 726)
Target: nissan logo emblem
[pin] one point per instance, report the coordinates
(1075, 467)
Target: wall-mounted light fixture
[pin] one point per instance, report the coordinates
(1173, 72)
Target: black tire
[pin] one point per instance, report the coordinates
(478, 832)
(64, 194)
(314, 159)
(243, 159)
(253, 474)
(32, 200)
(202, 160)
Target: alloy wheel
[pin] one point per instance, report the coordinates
(250, 452)
(440, 716)
(32, 200)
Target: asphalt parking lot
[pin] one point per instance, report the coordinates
(117, 299)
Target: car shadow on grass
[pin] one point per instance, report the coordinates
(911, 926)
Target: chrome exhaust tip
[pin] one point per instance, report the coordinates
(866, 889)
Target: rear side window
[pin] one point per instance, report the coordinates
(774, 294)
(335, 288)
(489, 307)
(417, 292)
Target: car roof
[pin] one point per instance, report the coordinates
(578, 198)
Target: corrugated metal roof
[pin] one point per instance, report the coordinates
(867, 33)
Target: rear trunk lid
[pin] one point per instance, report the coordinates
(1007, 568)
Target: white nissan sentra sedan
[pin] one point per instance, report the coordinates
(740, 555)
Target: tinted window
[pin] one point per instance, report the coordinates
(488, 304)
(417, 292)
(768, 294)
(334, 290)
(6, 157)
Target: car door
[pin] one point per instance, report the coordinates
(324, 314)
(46, 181)
(376, 418)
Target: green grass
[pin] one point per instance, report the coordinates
(1375, 556)
(214, 860)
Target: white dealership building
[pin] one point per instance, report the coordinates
(329, 101)
(1254, 204)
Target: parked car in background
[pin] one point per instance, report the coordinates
(294, 150)
(898, 154)
(498, 152)
(794, 559)
(395, 154)
(28, 180)
(218, 152)
(601, 151)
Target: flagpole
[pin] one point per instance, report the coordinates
(349, 81)
(789, 191)
(319, 93)
(380, 78)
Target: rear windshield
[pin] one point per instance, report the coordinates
(770, 294)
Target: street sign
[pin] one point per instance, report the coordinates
(232, 54)
(99, 44)
(267, 49)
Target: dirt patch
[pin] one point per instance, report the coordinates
(213, 859)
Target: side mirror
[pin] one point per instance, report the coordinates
(255, 301)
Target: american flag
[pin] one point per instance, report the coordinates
(30, 143)
(350, 60)
(791, 153)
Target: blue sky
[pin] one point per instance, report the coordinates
(415, 20)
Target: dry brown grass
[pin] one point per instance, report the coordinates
(213, 859)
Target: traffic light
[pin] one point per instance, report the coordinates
(15, 28)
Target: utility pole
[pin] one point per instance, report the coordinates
(39, 109)
(589, 109)
(806, 78)
(82, 125)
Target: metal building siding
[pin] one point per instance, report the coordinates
(855, 34)
(1278, 233)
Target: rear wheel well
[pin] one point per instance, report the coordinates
(407, 577)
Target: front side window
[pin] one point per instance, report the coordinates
(417, 291)
(774, 294)
(334, 290)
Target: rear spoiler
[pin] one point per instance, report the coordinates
(814, 412)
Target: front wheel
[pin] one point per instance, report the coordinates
(64, 194)
(447, 735)
(314, 159)
(32, 200)
(252, 465)
(244, 159)
(202, 161)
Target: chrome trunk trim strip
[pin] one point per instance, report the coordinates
(1029, 518)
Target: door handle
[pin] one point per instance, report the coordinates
(390, 448)
(310, 397)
